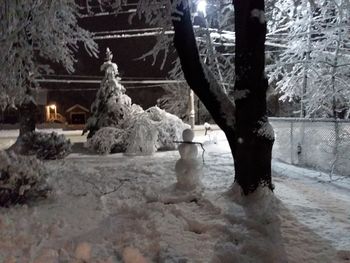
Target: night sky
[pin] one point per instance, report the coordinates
(125, 50)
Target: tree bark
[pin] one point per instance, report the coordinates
(27, 121)
(27, 116)
(254, 135)
(244, 124)
(196, 77)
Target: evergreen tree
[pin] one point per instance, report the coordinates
(111, 105)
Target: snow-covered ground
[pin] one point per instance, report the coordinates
(119, 208)
(8, 137)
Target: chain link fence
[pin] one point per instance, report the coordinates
(322, 144)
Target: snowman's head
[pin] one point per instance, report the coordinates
(187, 135)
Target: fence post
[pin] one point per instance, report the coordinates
(192, 113)
(291, 142)
(335, 147)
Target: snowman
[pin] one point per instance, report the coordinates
(187, 168)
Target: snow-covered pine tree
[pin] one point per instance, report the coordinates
(33, 31)
(111, 106)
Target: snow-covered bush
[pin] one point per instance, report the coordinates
(143, 136)
(108, 140)
(46, 146)
(129, 119)
(169, 127)
(154, 129)
(143, 133)
(22, 178)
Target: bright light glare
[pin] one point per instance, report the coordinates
(202, 6)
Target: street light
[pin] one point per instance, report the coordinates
(202, 7)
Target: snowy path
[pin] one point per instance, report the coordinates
(322, 207)
(109, 209)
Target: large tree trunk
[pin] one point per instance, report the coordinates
(246, 127)
(201, 81)
(27, 116)
(254, 135)
(27, 121)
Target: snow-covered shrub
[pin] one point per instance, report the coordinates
(46, 146)
(154, 129)
(169, 127)
(142, 133)
(129, 119)
(143, 136)
(22, 178)
(108, 140)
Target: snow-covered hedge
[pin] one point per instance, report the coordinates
(46, 146)
(22, 178)
(108, 140)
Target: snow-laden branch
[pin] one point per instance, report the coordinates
(32, 32)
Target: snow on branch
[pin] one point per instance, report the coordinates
(36, 29)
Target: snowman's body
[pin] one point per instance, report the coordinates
(187, 168)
